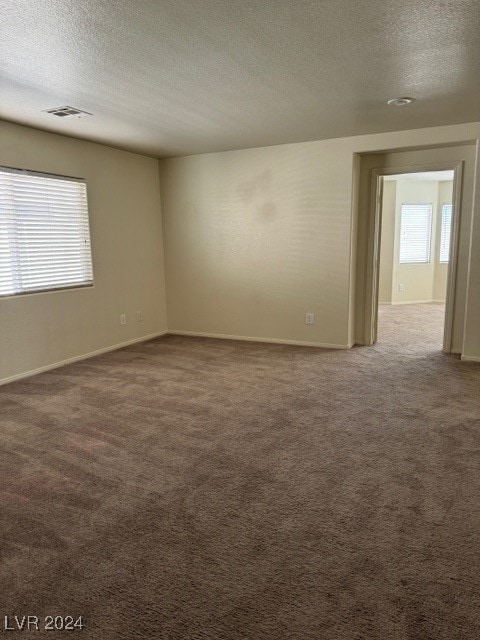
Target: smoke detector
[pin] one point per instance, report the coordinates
(400, 102)
(68, 112)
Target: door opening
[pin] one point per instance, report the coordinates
(416, 232)
(370, 171)
(414, 256)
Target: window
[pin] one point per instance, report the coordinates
(415, 233)
(44, 233)
(445, 233)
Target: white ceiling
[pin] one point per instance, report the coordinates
(176, 77)
(438, 176)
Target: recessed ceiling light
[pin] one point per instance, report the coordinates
(400, 102)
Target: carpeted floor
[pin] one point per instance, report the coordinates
(190, 489)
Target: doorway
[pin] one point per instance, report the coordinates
(370, 169)
(414, 256)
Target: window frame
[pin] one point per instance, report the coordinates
(67, 287)
(430, 234)
(440, 261)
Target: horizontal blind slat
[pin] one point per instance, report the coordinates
(415, 233)
(44, 233)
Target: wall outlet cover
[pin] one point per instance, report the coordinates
(309, 318)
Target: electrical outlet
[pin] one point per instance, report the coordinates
(139, 316)
(309, 318)
(401, 287)
(123, 319)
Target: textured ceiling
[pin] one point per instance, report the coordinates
(175, 77)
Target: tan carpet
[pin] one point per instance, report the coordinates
(190, 489)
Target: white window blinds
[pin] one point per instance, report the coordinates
(415, 232)
(445, 232)
(44, 233)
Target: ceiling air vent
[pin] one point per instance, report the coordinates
(68, 112)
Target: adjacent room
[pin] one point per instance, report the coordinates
(416, 238)
(240, 319)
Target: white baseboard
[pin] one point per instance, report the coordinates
(83, 356)
(465, 358)
(392, 304)
(223, 336)
(413, 302)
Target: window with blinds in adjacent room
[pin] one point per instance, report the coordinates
(445, 233)
(416, 233)
(44, 233)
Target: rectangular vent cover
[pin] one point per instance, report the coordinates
(67, 112)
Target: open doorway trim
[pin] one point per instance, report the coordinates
(374, 239)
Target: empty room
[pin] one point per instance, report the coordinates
(240, 319)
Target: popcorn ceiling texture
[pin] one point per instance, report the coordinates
(189, 488)
(179, 77)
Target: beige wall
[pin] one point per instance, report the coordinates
(387, 242)
(39, 330)
(471, 345)
(417, 279)
(356, 169)
(421, 282)
(256, 238)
